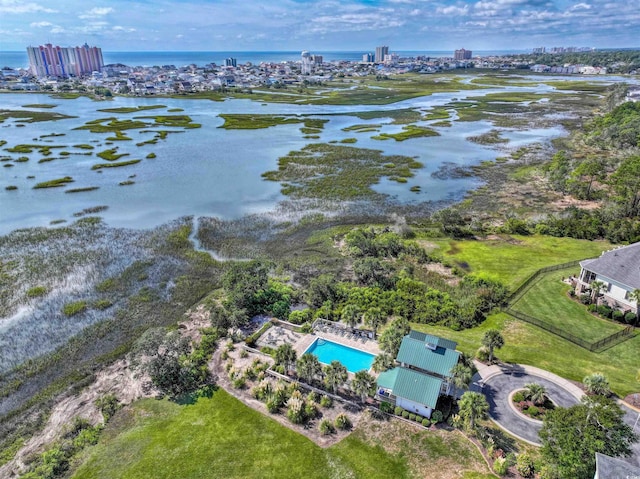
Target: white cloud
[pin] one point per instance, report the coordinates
(96, 12)
(453, 10)
(40, 24)
(17, 6)
(581, 6)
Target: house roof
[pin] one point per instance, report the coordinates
(429, 353)
(412, 385)
(612, 468)
(621, 265)
(437, 340)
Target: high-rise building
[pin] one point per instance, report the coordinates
(307, 63)
(48, 60)
(368, 58)
(230, 62)
(381, 52)
(463, 54)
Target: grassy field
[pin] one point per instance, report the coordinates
(547, 300)
(511, 259)
(221, 437)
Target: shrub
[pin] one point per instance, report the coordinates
(386, 407)
(482, 354)
(108, 406)
(273, 404)
(592, 308)
(412, 417)
(398, 411)
(585, 298)
(532, 411)
(239, 382)
(604, 311)
(224, 355)
(426, 422)
(310, 410)
(343, 422)
(312, 397)
(326, 427)
(326, 401)
(280, 369)
(437, 416)
(405, 414)
(102, 304)
(295, 410)
(244, 353)
(524, 465)
(518, 397)
(630, 318)
(617, 315)
(500, 466)
(418, 418)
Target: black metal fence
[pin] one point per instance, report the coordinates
(527, 283)
(595, 346)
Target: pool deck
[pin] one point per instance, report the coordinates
(368, 346)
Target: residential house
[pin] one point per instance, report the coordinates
(612, 468)
(423, 373)
(619, 271)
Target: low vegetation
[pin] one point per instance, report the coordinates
(57, 183)
(117, 164)
(337, 172)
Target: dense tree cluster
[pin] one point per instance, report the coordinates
(571, 436)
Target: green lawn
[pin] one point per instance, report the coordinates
(547, 300)
(528, 344)
(221, 437)
(511, 259)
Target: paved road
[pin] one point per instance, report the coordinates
(497, 390)
(498, 387)
(630, 418)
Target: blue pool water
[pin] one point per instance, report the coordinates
(352, 359)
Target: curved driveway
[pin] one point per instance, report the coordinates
(497, 390)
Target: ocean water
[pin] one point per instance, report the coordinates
(18, 59)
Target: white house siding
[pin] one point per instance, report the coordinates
(414, 407)
(616, 292)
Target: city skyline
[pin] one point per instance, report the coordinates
(204, 25)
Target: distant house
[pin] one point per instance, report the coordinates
(612, 468)
(619, 270)
(423, 374)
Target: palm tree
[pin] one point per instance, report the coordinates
(374, 318)
(363, 384)
(536, 392)
(461, 375)
(335, 375)
(382, 362)
(351, 315)
(597, 383)
(308, 366)
(286, 355)
(473, 406)
(596, 289)
(492, 339)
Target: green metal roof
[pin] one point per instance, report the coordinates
(437, 340)
(418, 353)
(412, 385)
(387, 379)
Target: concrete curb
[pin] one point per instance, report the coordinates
(487, 372)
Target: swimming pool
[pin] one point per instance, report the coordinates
(352, 359)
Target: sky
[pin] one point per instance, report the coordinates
(324, 25)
